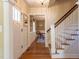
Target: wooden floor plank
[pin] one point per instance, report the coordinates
(37, 51)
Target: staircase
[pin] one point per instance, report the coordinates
(67, 35)
(49, 38)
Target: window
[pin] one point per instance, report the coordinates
(34, 29)
(32, 24)
(16, 14)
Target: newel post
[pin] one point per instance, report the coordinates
(53, 49)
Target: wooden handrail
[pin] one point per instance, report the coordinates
(48, 30)
(66, 15)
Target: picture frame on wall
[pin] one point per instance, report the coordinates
(25, 19)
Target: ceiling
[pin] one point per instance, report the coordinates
(37, 3)
(47, 3)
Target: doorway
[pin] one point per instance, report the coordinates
(37, 25)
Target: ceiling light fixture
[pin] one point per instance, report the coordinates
(43, 1)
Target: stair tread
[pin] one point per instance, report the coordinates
(70, 39)
(60, 48)
(72, 29)
(77, 30)
(75, 34)
(72, 34)
(65, 44)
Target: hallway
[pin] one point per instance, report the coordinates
(55, 23)
(37, 51)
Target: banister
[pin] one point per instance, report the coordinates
(48, 30)
(66, 15)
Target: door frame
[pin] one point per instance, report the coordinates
(7, 33)
(46, 44)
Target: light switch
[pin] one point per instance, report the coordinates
(0, 28)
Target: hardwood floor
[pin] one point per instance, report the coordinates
(37, 51)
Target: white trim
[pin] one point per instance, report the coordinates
(53, 48)
(46, 44)
(6, 30)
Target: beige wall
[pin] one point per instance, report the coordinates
(1, 22)
(60, 8)
(1, 33)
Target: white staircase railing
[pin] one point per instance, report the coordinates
(67, 30)
(65, 33)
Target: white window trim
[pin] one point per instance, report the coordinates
(18, 11)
